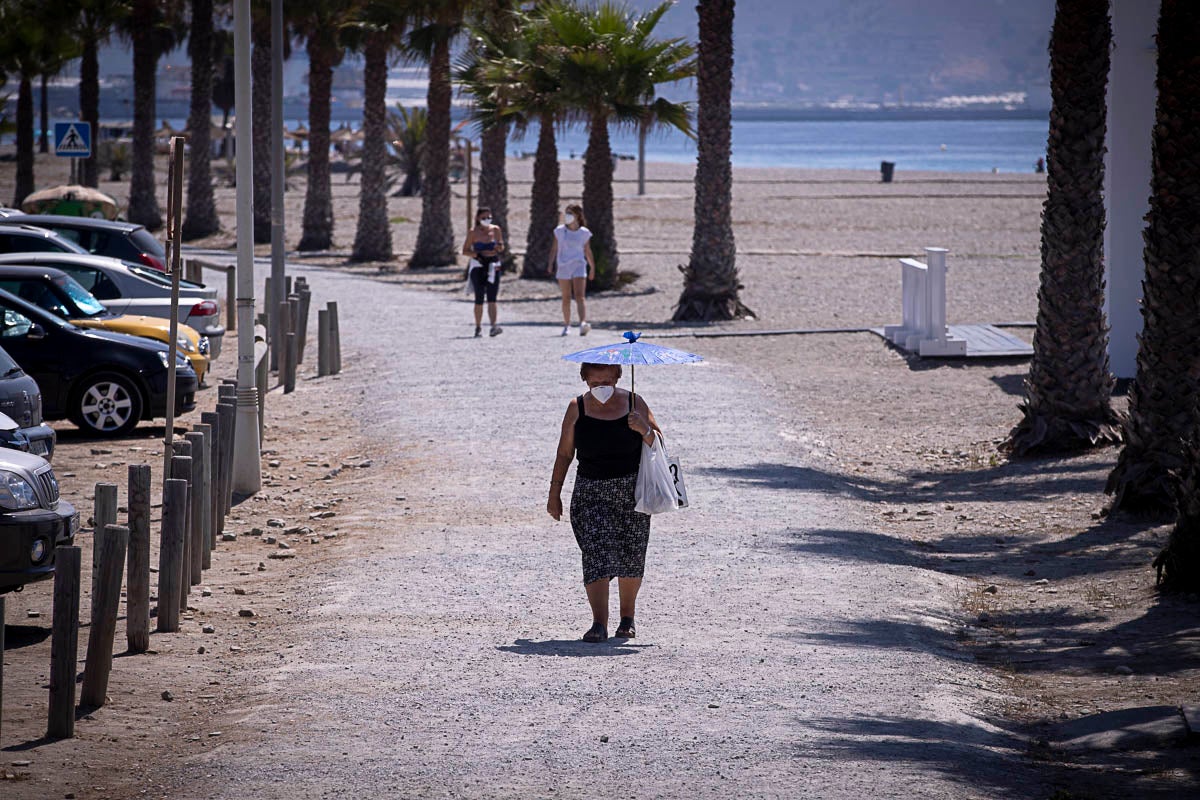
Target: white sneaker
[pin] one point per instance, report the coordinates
(564, 330)
(584, 327)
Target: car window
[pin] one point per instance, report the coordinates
(67, 233)
(95, 281)
(81, 297)
(146, 243)
(38, 292)
(14, 324)
(7, 365)
(161, 278)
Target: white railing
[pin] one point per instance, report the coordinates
(923, 303)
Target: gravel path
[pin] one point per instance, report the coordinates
(441, 656)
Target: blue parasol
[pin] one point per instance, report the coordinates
(632, 352)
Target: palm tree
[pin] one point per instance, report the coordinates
(494, 25)
(610, 68)
(260, 102)
(1162, 398)
(439, 23)
(512, 87)
(406, 131)
(154, 28)
(1068, 403)
(376, 30)
(93, 23)
(710, 280)
(318, 23)
(200, 218)
(33, 44)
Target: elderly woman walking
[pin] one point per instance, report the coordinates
(605, 427)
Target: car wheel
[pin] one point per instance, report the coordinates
(107, 404)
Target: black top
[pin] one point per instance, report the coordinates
(607, 448)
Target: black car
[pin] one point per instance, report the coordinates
(17, 237)
(21, 425)
(33, 520)
(103, 382)
(127, 241)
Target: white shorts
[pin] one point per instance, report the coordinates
(566, 273)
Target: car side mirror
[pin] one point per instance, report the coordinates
(36, 331)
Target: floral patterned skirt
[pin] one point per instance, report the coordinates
(612, 536)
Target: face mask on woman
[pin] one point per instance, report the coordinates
(569, 218)
(602, 393)
(485, 221)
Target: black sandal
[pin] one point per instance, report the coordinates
(625, 630)
(597, 633)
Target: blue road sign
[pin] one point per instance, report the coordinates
(73, 139)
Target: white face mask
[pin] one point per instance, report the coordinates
(485, 221)
(602, 393)
(569, 218)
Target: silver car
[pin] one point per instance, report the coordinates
(132, 289)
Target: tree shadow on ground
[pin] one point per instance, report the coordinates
(573, 648)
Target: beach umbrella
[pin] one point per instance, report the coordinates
(342, 134)
(71, 201)
(632, 352)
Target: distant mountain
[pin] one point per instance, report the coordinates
(800, 52)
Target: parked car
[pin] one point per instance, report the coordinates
(21, 424)
(17, 237)
(103, 382)
(127, 241)
(33, 520)
(59, 293)
(130, 289)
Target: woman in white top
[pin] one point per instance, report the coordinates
(571, 256)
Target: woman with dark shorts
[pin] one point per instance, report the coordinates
(605, 427)
(485, 243)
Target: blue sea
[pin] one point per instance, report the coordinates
(958, 145)
(1004, 143)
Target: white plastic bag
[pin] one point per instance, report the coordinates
(659, 487)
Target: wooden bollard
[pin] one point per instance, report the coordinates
(289, 347)
(206, 453)
(64, 643)
(137, 591)
(228, 412)
(104, 512)
(335, 331)
(283, 313)
(170, 553)
(270, 323)
(183, 470)
(302, 325)
(324, 345)
(213, 420)
(106, 596)
(198, 479)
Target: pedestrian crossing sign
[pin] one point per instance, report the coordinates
(73, 139)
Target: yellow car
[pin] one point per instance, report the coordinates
(60, 294)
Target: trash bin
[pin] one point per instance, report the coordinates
(887, 168)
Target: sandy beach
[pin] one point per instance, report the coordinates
(1047, 605)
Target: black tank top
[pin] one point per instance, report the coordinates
(607, 448)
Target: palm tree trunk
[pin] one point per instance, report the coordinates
(1178, 564)
(1163, 410)
(43, 136)
(1068, 403)
(543, 203)
(435, 236)
(493, 182)
(373, 238)
(598, 202)
(24, 141)
(200, 218)
(710, 280)
(260, 68)
(317, 222)
(89, 106)
(143, 200)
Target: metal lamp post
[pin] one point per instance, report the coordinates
(247, 465)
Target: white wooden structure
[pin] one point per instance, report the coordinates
(923, 300)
